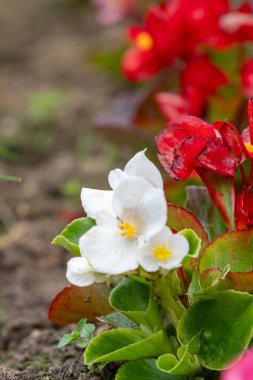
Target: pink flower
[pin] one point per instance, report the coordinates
(242, 370)
(111, 11)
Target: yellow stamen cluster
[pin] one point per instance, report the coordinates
(162, 253)
(128, 230)
(144, 41)
(249, 147)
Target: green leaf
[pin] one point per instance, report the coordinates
(117, 319)
(194, 242)
(221, 190)
(69, 237)
(179, 218)
(201, 205)
(82, 335)
(136, 301)
(185, 363)
(144, 369)
(65, 339)
(125, 344)
(230, 250)
(224, 324)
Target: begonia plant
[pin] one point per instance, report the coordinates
(172, 283)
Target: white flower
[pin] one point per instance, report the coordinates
(164, 250)
(94, 200)
(80, 273)
(138, 166)
(138, 211)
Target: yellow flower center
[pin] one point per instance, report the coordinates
(249, 147)
(162, 253)
(144, 41)
(128, 230)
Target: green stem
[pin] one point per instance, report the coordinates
(173, 307)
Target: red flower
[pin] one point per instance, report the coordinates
(189, 143)
(199, 80)
(154, 43)
(247, 134)
(180, 29)
(247, 77)
(238, 25)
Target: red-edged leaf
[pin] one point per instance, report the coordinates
(179, 218)
(232, 251)
(74, 303)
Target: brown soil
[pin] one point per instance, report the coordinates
(45, 45)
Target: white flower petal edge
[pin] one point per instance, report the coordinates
(94, 201)
(80, 273)
(141, 166)
(138, 166)
(163, 250)
(109, 252)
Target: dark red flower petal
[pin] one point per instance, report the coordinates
(194, 126)
(185, 156)
(218, 158)
(233, 139)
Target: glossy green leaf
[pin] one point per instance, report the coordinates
(185, 363)
(144, 369)
(69, 237)
(224, 324)
(201, 205)
(136, 301)
(179, 218)
(125, 344)
(231, 251)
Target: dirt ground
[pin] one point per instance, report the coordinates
(46, 45)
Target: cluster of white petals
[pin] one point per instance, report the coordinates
(130, 227)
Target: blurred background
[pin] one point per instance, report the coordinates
(50, 89)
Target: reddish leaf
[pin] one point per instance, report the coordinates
(74, 303)
(233, 251)
(179, 218)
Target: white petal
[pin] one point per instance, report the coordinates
(179, 248)
(128, 194)
(141, 166)
(116, 177)
(146, 257)
(149, 263)
(109, 252)
(94, 201)
(79, 272)
(152, 211)
(106, 219)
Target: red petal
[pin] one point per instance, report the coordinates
(140, 65)
(233, 139)
(247, 77)
(217, 158)
(196, 75)
(185, 156)
(194, 126)
(171, 104)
